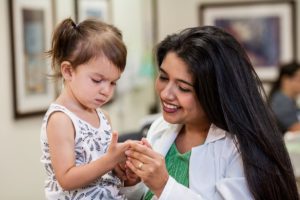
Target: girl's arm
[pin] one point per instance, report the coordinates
(61, 139)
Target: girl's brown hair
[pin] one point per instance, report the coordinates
(78, 43)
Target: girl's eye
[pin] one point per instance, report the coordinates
(96, 80)
(113, 83)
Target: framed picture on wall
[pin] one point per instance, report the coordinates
(93, 9)
(31, 29)
(267, 31)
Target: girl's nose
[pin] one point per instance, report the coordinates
(106, 88)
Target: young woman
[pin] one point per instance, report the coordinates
(217, 138)
(283, 96)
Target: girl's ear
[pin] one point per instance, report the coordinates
(66, 70)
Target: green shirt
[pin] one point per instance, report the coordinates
(178, 167)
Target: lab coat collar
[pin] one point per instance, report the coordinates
(214, 134)
(170, 134)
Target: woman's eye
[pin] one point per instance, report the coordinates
(183, 89)
(163, 78)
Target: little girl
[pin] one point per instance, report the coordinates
(79, 148)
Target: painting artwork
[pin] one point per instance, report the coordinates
(34, 46)
(31, 29)
(263, 46)
(92, 9)
(265, 29)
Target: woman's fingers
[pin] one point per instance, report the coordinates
(138, 167)
(143, 149)
(131, 153)
(145, 142)
(154, 174)
(148, 165)
(132, 164)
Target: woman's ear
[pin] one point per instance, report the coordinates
(66, 70)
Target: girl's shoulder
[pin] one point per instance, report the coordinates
(104, 114)
(104, 119)
(55, 108)
(60, 113)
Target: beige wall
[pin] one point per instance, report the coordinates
(20, 170)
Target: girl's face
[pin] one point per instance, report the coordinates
(93, 83)
(174, 86)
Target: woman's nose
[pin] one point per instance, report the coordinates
(168, 92)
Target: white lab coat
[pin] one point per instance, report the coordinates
(215, 170)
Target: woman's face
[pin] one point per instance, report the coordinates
(174, 86)
(295, 82)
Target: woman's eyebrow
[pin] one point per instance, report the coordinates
(179, 80)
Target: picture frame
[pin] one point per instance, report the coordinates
(93, 9)
(266, 29)
(31, 26)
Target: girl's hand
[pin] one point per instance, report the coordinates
(117, 150)
(120, 171)
(126, 175)
(132, 178)
(148, 165)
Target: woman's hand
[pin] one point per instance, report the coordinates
(148, 165)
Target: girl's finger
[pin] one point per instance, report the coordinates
(114, 138)
(122, 166)
(120, 173)
(130, 174)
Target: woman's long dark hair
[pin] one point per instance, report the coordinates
(231, 94)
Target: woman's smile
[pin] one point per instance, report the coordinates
(170, 108)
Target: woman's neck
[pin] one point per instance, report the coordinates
(289, 92)
(191, 136)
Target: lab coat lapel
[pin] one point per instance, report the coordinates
(168, 137)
